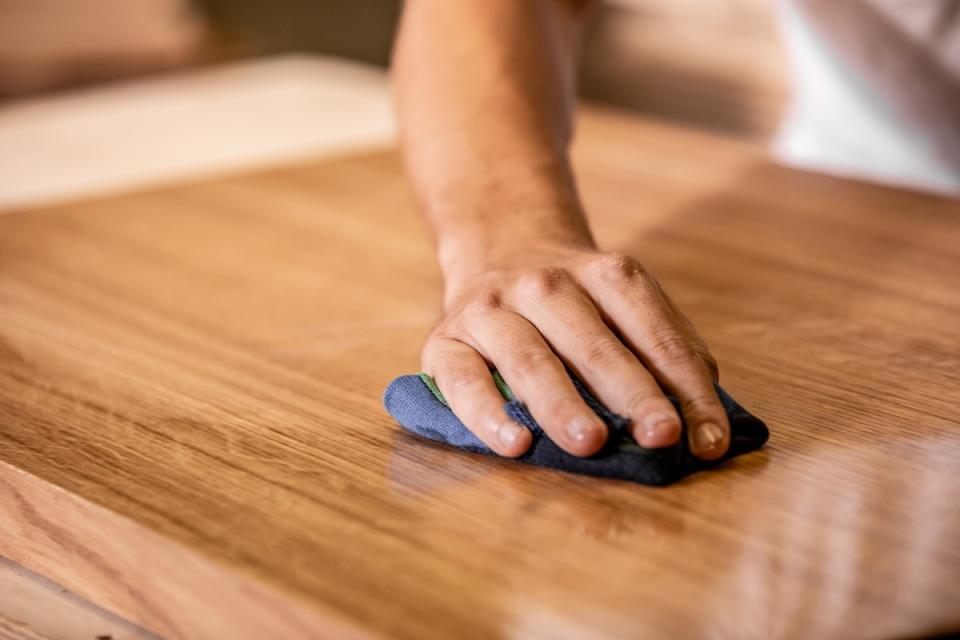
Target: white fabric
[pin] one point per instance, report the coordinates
(837, 124)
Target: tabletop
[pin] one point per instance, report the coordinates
(192, 434)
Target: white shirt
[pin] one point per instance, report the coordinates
(837, 123)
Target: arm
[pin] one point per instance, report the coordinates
(485, 96)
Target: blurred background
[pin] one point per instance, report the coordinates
(122, 84)
(100, 95)
(712, 62)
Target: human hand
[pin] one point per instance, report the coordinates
(601, 314)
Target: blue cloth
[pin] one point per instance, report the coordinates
(411, 402)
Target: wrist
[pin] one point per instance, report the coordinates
(499, 214)
(478, 249)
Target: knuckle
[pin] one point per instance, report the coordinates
(528, 362)
(442, 339)
(433, 349)
(456, 381)
(670, 348)
(713, 367)
(600, 353)
(619, 268)
(643, 401)
(544, 282)
(485, 303)
(699, 403)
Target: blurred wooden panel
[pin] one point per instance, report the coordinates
(359, 29)
(282, 108)
(712, 63)
(191, 431)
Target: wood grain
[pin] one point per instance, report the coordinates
(191, 432)
(33, 608)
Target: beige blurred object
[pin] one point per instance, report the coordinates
(48, 44)
(717, 64)
(188, 125)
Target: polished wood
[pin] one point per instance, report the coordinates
(191, 431)
(33, 607)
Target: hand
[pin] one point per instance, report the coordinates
(601, 314)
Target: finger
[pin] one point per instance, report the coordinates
(572, 325)
(537, 377)
(634, 303)
(467, 385)
(693, 337)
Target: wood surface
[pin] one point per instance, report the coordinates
(191, 430)
(34, 608)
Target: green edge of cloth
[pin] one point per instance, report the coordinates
(497, 380)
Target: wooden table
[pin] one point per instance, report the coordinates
(191, 430)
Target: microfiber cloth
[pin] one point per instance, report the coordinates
(417, 404)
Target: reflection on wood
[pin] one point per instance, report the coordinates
(191, 432)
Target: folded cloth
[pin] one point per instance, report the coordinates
(416, 403)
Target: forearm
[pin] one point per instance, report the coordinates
(485, 97)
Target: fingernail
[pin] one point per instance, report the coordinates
(582, 428)
(661, 427)
(707, 437)
(509, 433)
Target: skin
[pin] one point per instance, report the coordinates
(485, 98)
